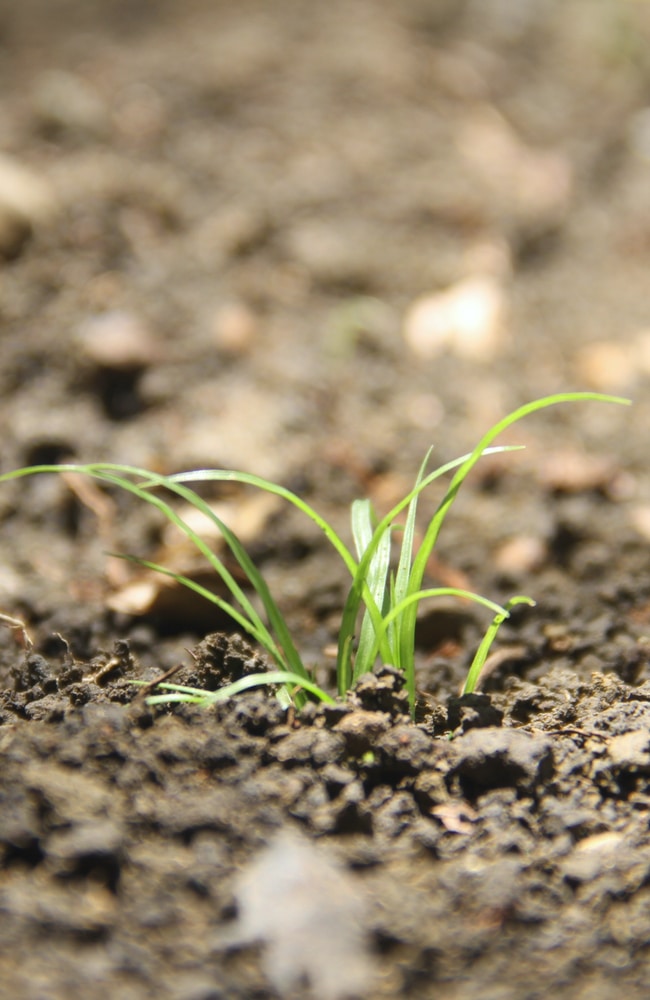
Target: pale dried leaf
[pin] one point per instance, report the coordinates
(137, 598)
(154, 594)
(456, 817)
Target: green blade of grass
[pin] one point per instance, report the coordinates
(358, 589)
(402, 577)
(289, 658)
(346, 636)
(387, 633)
(260, 635)
(483, 650)
(254, 625)
(115, 474)
(245, 478)
(407, 638)
(362, 531)
(414, 599)
(179, 692)
(361, 516)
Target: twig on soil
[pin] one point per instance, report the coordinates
(69, 655)
(146, 689)
(105, 510)
(19, 629)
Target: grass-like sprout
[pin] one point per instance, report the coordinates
(379, 614)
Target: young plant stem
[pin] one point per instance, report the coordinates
(387, 627)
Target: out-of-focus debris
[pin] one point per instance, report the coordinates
(467, 319)
(237, 424)
(447, 574)
(118, 340)
(456, 817)
(520, 555)
(27, 201)
(19, 630)
(606, 365)
(152, 593)
(640, 519)
(615, 365)
(232, 232)
(247, 517)
(568, 470)
(64, 102)
(332, 252)
(234, 328)
(362, 321)
(639, 133)
(535, 184)
(425, 411)
(309, 913)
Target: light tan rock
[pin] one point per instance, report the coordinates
(27, 201)
(467, 319)
(118, 340)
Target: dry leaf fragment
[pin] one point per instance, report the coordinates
(456, 817)
(152, 593)
(163, 598)
(19, 630)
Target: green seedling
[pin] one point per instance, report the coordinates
(379, 614)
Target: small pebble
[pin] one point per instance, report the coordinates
(64, 102)
(118, 340)
(234, 329)
(27, 201)
(521, 555)
(467, 319)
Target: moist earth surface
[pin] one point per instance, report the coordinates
(308, 242)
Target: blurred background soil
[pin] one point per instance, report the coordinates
(309, 241)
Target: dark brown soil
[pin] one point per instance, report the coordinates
(215, 219)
